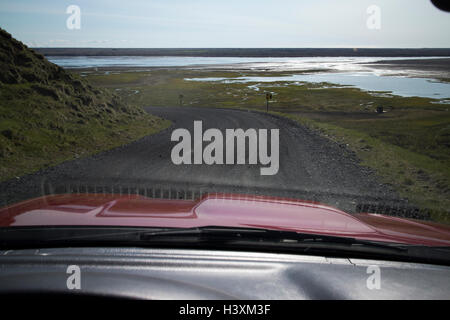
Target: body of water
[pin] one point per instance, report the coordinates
(349, 71)
(272, 64)
(402, 86)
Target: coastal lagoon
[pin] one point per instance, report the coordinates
(344, 71)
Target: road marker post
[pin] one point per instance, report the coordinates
(180, 97)
(268, 97)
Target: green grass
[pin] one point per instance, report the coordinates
(37, 131)
(421, 179)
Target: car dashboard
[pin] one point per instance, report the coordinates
(173, 274)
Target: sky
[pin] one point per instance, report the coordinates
(228, 23)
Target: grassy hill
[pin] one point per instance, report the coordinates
(48, 114)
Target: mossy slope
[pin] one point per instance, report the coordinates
(48, 114)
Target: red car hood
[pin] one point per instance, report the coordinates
(220, 210)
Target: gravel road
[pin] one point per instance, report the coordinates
(311, 166)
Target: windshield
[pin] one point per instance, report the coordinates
(321, 118)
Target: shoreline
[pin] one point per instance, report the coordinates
(437, 66)
(433, 68)
(248, 52)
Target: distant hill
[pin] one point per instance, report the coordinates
(48, 115)
(248, 52)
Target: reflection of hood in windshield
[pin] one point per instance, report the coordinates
(219, 210)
